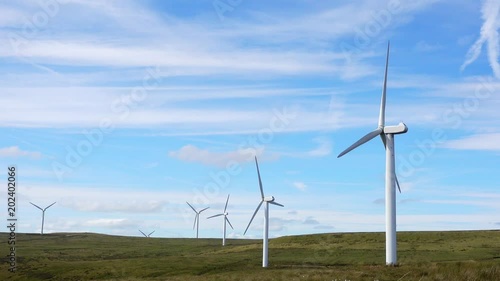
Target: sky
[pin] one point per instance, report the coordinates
(121, 111)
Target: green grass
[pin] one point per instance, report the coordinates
(464, 255)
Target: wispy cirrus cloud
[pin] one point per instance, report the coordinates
(194, 154)
(198, 45)
(15, 151)
(110, 223)
(134, 206)
(191, 153)
(299, 185)
(489, 141)
(488, 35)
(324, 148)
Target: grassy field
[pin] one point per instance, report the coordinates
(466, 255)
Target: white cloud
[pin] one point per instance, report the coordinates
(191, 153)
(310, 221)
(176, 61)
(200, 45)
(479, 203)
(110, 223)
(324, 227)
(409, 200)
(489, 141)
(324, 148)
(131, 206)
(15, 151)
(300, 185)
(489, 35)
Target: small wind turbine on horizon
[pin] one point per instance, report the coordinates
(225, 214)
(268, 200)
(196, 218)
(386, 133)
(149, 235)
(43, 213)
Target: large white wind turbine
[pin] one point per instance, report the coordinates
(387, 135)
(197, 218)
(224, 213)
(268, 200)
(43, 213)
(149, 235)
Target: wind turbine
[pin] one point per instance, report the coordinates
(268, 200)
(43, 213)
(386, 133)
(149, 235)
(197, 218)
(225, 214)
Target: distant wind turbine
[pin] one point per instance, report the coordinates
(268, 200)
(43, 213)
(149, 235)
(386, 133)
(225, 214)
(197, 218)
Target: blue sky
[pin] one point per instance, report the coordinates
(121, 111)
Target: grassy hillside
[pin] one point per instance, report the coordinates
(468, 255)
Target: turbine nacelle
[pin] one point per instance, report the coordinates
(268, 199)
(401, 128)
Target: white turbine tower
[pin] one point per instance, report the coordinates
(225, 214)
(387, 135)
(268, 200)
(149, 235)
(43, 213)
(197, 218)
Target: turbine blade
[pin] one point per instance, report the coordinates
(260, 181)
(143, 233)
(49, 206)
(218, 215)
(229, 223)
(254, 213)
(226, 203)
(191, 207)
(151, 233)
(397, 183)
(195, 218)
(203, 210)
(381, 118)
(276, 203)
(362, 140)
(36, 206)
